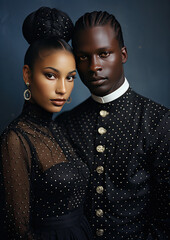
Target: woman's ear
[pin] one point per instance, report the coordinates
(26, 74)
(124, 54)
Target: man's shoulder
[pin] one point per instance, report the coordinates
(150, 112)
(148, 104)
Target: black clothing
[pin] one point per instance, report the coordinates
(44, 182)
(125, 144)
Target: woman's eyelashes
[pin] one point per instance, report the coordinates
(71, 78)
(52, 76)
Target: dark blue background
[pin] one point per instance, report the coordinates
(145, 25)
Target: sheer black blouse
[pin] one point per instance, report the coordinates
(41, 175)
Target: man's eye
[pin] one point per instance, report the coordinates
(50, 76)
(83, 58)
(104, 54)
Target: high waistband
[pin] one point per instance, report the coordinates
(64, 221)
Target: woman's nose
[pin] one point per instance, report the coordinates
(61, 86)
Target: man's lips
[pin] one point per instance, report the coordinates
(98, 80)
(58, 101)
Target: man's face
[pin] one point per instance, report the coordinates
(100, 59)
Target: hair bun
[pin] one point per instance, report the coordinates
(46, 23)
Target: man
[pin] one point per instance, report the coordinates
(122, 136)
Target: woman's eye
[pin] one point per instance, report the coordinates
(71, 78)
(105, 54)
(50, 76)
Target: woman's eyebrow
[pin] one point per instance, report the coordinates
(56, 70)
(74, 71)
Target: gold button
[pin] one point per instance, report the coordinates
(102, 130)
(99, 232)
(99, 213)
(100, 148)
(103, 113)
(100, 169)
(99, 189)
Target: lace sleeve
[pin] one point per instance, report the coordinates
(15, 166)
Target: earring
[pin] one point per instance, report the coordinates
(69, 99)
(27, 93)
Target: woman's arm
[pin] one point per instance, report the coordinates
(15, 170)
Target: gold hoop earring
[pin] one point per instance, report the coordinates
(27, 93)
(69, 99)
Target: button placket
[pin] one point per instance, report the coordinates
(100, 148)
(102, 130)
(103, 113)
(99, 189)
(99, 232)
(100, 141)
(100, 169)
(99, 212)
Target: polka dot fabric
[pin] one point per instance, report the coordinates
(126, 146)
(43, 181)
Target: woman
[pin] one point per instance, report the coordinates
(44, 182)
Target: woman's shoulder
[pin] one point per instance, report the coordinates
(12, 130)
(14, 141)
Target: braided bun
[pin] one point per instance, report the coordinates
(46, 23)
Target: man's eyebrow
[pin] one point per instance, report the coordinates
(97, 50)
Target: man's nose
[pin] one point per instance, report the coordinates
(95, 64)
(61, 86)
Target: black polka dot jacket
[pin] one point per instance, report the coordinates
(126, 146)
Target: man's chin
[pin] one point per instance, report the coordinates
(99, 92)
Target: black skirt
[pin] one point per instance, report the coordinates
(72, 226)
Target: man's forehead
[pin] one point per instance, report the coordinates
(95, 37)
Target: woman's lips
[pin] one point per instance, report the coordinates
(58, 102)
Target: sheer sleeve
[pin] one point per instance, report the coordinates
(15, 167)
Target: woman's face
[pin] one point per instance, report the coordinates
(52, 79)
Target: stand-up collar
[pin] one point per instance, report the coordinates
(35, 113)
(114, 95)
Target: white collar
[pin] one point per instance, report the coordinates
(114, 95)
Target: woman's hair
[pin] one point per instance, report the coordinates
(94, 19)
(46, 28)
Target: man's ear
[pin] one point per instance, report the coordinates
(26, 74)
(124, 54)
